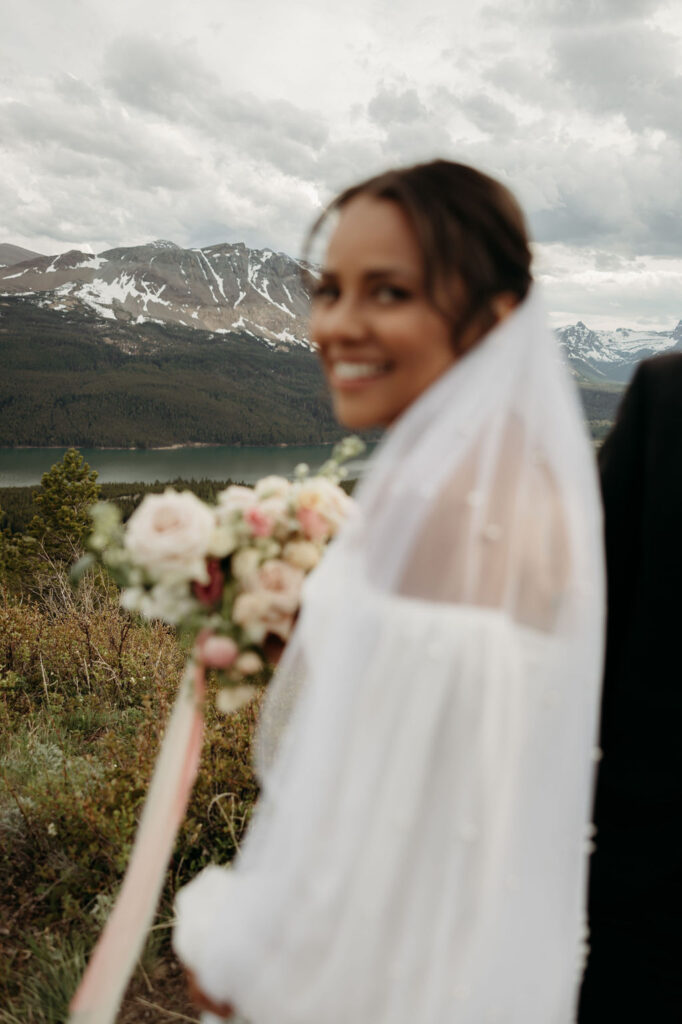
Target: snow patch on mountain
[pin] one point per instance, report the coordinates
(226, 288)
(613, 355)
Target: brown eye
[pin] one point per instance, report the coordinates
(387, 294)
(325, 292)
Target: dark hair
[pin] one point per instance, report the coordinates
(470, 230)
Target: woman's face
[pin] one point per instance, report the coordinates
(380, 339)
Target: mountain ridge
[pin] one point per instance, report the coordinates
(262, 294)
(221, 288)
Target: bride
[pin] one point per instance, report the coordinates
(418, 855)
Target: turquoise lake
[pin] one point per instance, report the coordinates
(22, 467)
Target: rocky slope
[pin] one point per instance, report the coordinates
(11, 254)
(221, 288)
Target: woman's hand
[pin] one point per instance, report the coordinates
(203, 1002)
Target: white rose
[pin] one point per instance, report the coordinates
(223, 540)
(303, 554)
(272, 487)
(235, 499)
(169, 535)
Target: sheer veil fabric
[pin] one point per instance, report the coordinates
(426, 750)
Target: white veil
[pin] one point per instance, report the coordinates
(419, 851)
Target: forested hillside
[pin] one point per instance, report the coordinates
(82, 381)
(70, 378)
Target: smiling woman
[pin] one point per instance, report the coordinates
(426, 747)
(380, 339)
(416, 272)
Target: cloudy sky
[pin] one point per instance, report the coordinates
(122, 121)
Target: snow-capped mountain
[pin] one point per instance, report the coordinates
(230, 288)
(612, 356)
(220, 288)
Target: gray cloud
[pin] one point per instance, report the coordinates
(630, 71)
(575, 13)
(174, 84)
(144, 73)
(389, 106)
(100, 134)
(488, 115)
(202, 133)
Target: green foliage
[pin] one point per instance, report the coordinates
(56, 963)
(85, 692)
(62, 521)
(17, 503)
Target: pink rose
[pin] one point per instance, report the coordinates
(313, 524)
(260, 524)
(218, 652)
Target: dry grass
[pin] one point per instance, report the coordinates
(84, 693)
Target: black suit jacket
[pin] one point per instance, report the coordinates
(635, 903)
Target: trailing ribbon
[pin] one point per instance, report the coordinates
(118, 948)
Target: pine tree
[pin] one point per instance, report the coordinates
(62, 520)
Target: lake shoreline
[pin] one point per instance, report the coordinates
(24, 467)
(162, 447)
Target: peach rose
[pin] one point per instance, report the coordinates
(281, 583)
(329, 502)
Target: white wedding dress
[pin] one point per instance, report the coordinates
(418, 854)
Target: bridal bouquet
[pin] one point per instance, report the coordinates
(230, 573)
